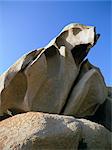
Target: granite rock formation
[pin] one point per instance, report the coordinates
(33, 130)
(65, 87)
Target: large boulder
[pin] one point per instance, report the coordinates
(41, 131)
(42, 79)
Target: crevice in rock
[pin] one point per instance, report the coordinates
(53, 61)
(82, 145)
(72, 87)
(30, 58)
(79, 53)
(11, 112)
(5, 116)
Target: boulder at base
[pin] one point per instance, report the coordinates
(35, 131)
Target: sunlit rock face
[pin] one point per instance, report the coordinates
(42, 131)
(42, 79)
(56, 79)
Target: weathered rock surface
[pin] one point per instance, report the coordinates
(33, 131)
(88, 93)
(56, 80)
(94, 136)
(44, 77)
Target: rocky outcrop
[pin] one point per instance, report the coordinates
(88, 92)
(24, 87)
(56, 79)
(33, 130)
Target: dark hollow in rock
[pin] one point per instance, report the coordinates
(79, 52)
(82, 145)
(103, 114)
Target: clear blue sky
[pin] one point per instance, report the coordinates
(27, 25)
